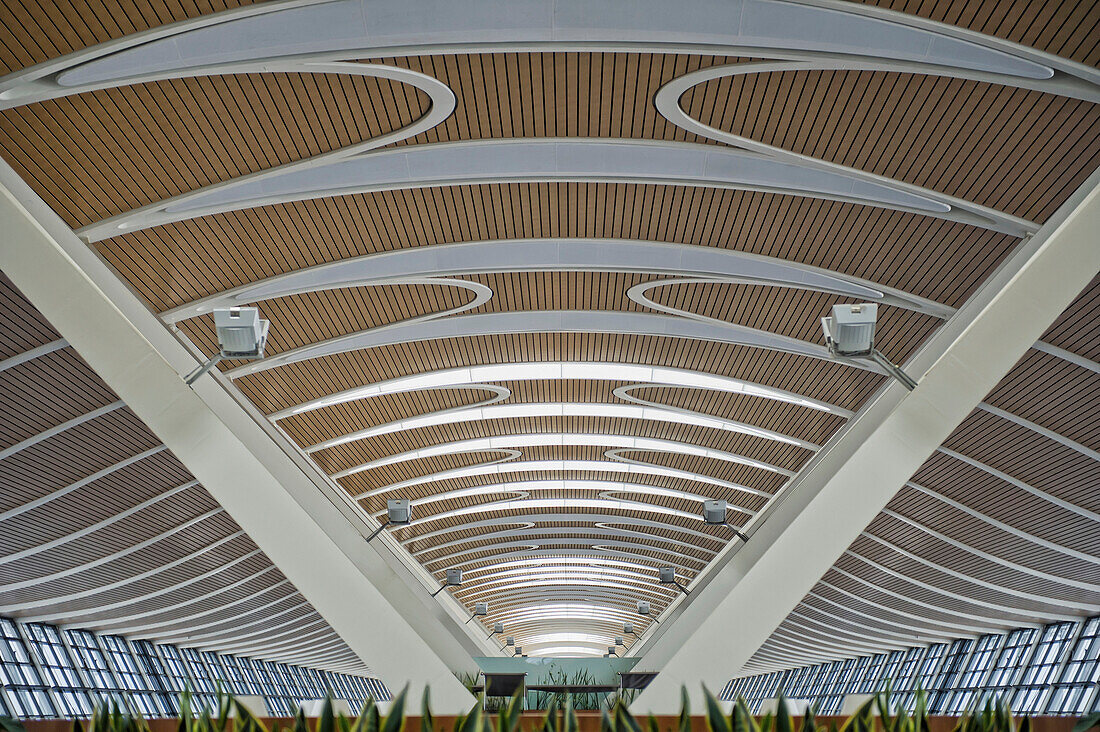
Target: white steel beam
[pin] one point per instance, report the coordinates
(729, 617)
(264, 488)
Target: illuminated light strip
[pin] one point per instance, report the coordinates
(528, 532)
(526, 410)
(479, 376)
(538, 466)
(590, 560)
(524, 504)
(603, 486)
(644, 580)
(578, 611)
(547, 439)
(603, 547)
(565, 651)
(565, 579)
(564, 582)
(507, 598)
(531, 519)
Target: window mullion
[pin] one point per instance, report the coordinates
(1066, 656)
(32, 654)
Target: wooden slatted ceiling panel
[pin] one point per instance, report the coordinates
(178, 263)
(1004, 502)
(99, 154)
(1067, 28)
(299, 320)
(361, 451)
(39, 30)
(1078, 329)
(49, 390)
(790, 419)
(1044, 464)
(921, 572)
(30, 403)
(904, 587)
(139, 144)
(1053, 393)
(1013, 150)
(178, 545)
(295, 383)
(1059, 396)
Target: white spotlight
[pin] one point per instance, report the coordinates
(850, 332)
(242, 334)
(398, 513)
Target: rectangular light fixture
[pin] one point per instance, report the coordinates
(850, 331)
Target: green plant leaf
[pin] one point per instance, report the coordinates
(472, 721)
(716, 720)
(607, 724)
(741, 720)
(1087, 722)
(427, 722)
(809, 721)
(569, 722)
(651, 722)
(783, 721)
(395, 720)
(685, 711)
(300, 724)
(767, 722)
(326, 721)
(624, 720)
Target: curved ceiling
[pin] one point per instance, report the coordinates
(104, 529)
(554, 273)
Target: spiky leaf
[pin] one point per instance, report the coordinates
(716, 720)
(783, 721)
(1087, 722)
(624, 720)
(427, 722)
(685, 711)
(395, 720)
(741, 719)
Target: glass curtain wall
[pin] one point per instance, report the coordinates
(48, 672)
(1053, 670)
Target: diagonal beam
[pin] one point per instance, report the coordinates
(306, 532)
(754, 589)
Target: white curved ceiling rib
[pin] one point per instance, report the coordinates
(603, 487)
(620, 442)
(546, 321)
(560, 409)
(470, 376)
(554, 466)
(356, 29)
(551, 160)
(562, 255)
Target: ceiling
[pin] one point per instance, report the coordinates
(104, 528)
(556, 290)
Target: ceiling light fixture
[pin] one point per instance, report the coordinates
(667, 576)
(644, 609)
(714, 513)
(850, 333)
(454, 579)
(480, 609)
(242, 335)
(398, 513)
